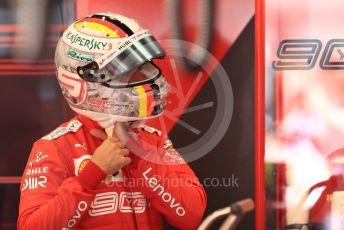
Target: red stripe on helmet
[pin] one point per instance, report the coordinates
(150, 98)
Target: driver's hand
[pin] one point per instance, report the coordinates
(111, 155)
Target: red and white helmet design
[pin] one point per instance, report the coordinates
(105, 69)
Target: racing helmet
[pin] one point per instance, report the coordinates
(105, 69)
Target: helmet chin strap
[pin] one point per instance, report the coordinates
(107, 121)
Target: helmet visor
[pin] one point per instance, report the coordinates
(146, 73)
(128, 57)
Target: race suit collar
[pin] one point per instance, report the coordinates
(89, 123)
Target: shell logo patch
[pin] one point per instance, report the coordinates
(80, 163)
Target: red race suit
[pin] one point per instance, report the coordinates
(62, 189)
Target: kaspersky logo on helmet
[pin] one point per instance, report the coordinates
(90, 44)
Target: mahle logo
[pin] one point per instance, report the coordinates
(82, 57)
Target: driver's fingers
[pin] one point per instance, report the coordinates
(116, 141)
